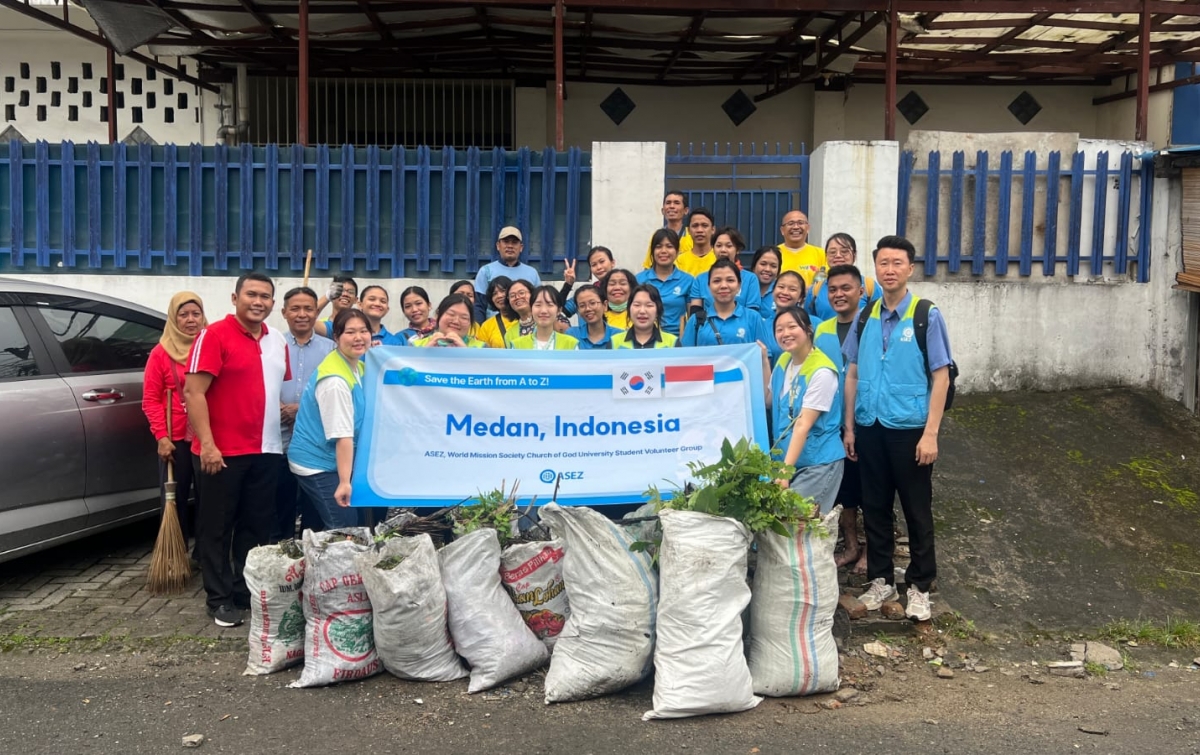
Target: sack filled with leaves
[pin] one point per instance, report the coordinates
(339, 633)
(607, 642)
(408, 601)
(699, 661)
(275, 576)
(488, 630)
(532, 573)
(792, 650)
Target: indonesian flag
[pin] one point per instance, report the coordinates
(688, 380)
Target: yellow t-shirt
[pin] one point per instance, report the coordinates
(685, 247)
(492, 333)
(806, 262)
(618, 319)
(695, 266)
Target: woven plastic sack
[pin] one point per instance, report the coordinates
(275, 576)
(404, 582)
(488, 630)
(339, 634)
(699, 662)
(792, 650)
(532, 573)
(607, 643)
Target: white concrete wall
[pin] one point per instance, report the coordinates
(670, 114)
(24, 40)
(628, 182)
(1058, 333)
(853, 190)
(857, 114)
(1116, 120)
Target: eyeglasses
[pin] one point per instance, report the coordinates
(796, 224)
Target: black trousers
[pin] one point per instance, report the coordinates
(181, 463)
(289, 501)
(236, 514)
(887, 463)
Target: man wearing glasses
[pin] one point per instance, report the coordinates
(797, 253)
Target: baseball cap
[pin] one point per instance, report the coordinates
(510, 230)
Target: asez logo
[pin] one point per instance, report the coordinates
(548, 476)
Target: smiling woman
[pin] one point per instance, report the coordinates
(330, 418)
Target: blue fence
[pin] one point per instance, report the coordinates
(1052, 229)
(195, 210)
(750, 189)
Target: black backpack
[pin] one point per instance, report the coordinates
(921, 327)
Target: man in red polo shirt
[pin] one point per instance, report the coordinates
(235, 374)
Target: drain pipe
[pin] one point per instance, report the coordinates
(240, 128)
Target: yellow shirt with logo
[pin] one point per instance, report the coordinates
(807, 261)
(685, 247)
(695, 266)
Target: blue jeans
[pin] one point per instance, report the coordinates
(319, 488)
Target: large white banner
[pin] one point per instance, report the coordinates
(444, 424)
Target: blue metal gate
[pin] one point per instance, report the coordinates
(191, 210)
(749, 189)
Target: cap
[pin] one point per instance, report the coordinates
(510, 230)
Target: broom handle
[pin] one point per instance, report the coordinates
(171, 463)
(307, 265)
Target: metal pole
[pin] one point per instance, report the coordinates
(1143, 78)
(558, 76)
(889, 87)
(302, 79)
(111, 60)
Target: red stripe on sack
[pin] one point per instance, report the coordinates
(544, 556)
(806, 580)
(688, 373)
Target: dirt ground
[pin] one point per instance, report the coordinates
(145, 702)
(1057, 515)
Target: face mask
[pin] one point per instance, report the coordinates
(618, 307)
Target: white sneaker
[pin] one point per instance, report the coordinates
(918, 605)
(877, 594)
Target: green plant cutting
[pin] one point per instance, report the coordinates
(494, 509)
(742, 485)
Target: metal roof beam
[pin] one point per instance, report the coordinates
(688, 39)
(784, 42)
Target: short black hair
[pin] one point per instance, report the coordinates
(300, 291)
(763, 251)
(896, 242)
(676, 193)
(655, 298)
(704, 212)
(343, 318)
(253, 276)
(723, 263)
(785, 274)
(664, 234)
(850, 270)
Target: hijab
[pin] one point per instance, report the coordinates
(174, 341)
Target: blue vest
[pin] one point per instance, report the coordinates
(825, 338)
(893, 386)
(824, 442)
(309, 447)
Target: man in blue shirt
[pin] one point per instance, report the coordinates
(894, 397)
(509, 244)
(306, 349)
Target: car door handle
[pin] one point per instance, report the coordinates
(103, 395)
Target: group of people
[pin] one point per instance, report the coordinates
(856, 376)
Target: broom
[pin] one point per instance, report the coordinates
(170, 568)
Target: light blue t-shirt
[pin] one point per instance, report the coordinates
(675, 292)
(748, 296)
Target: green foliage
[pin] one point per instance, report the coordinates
(1171, 633)
(742, 485)
(391, 562)
(495, 509)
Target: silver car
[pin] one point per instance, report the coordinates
(77, 454)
